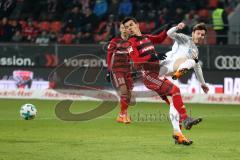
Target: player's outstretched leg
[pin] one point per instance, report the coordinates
(188, 122)
(184, 68)
(178, 136)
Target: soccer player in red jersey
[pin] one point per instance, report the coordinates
(119, 68)
(118, 62)
(143, 54)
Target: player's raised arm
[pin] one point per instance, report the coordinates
(172, 32)
(157, 39)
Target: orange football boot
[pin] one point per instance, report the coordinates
(179, 73)
(181, 139)
(124, 119)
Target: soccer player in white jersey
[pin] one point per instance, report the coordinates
(184, 53)
(183, 57)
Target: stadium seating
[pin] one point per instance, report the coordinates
(151, 17)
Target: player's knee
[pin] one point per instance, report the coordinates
(175, 90)
(123, 90)
(129, 94)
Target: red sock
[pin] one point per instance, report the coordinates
(124, 104)
(178, 103)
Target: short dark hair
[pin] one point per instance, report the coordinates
(200, 26)
(125, 20)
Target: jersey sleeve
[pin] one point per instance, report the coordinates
(178, 37)
(172, 32)
(157, 39)
(199, 73)
(110, 50)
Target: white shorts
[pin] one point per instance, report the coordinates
(171, 65)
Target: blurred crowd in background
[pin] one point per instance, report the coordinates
(96, 21)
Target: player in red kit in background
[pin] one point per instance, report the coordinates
(119, 71)
(143, 54)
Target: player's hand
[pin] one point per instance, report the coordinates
(205, 88)
(134, 75)
(181, 25)
(161, 56)
(108, 76)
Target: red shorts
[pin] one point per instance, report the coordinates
(154, 82)
(121, 78)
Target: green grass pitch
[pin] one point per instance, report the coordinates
(147, 138)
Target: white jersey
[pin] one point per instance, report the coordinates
(183, 45)
(183, 49)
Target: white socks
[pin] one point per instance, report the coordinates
(174, 117)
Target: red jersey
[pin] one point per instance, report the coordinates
(142, 47)
(118, 58)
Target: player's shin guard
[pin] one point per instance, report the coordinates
(178, 103)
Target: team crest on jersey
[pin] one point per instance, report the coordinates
(130, 49)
